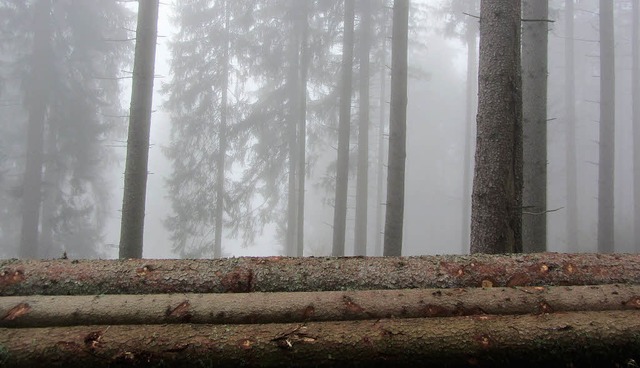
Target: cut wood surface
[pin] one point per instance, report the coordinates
(561, 339)
(73, 277)
(44, 311)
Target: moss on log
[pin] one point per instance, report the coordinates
(72, 277)
(44, 311)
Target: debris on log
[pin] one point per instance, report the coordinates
(277, 274)
(562, 339)
(286, 307)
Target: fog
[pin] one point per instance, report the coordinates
(436, 129)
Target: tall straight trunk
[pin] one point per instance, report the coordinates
(472, 93)
(36, 106)
(379, 232)
(534, 100)
(394, 220)
(362, 180)
(135, 175)
(635, 113)
(570, 121)
(496, 219)
(292, 127)
(607, 129)
(302, 124)
(222, 139)
(344, 127)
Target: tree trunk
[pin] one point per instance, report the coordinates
(36, 106)
(135, 176)
(380, 205)
(607, 130)
(570, 121)
(71, 277)
(344, 127)
(251, 308)
(394, 219)
(302, 124)
(496, 218)
(635, 107)
(567, 339)
(471, 100)
(362, 179)
(222, 140)
(534, 97)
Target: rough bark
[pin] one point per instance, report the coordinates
(362, 178)
(534, 125)
(471, 100)
(36, 106)
(394, 219)
(607, 130)
(70, 277)
(135, 175)
(50, 311)
(496, 215)
(567, 339)
(570, 138)
(635, 107)
(344, 129)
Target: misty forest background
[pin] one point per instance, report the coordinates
(78, 57)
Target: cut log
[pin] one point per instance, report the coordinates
(67, 277)
(45, 311)
(562, 339)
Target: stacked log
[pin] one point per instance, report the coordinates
(481, 310)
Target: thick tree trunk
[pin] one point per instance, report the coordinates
(471, 103)
(607, 130)
(534, 137)
(36, 105)
(344, 128)
(362, 179)
(497, 187)
(570, 121)
(394, 219)
(135, 175)
(50, 311)
(567, 339)
(71, 277)
(635, 106)
(222, 140)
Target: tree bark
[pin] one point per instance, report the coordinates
(344, 128)
(135, 176)
(534, 97)
(496, 218)
(607, 130)
(575, 339)
(635, 107)
(362, 179)
(394, 219)
(570, 121)
(36, 101)
(71, 277)
(471, 103)
(251, 308)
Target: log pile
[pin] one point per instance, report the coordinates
(481, 310)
